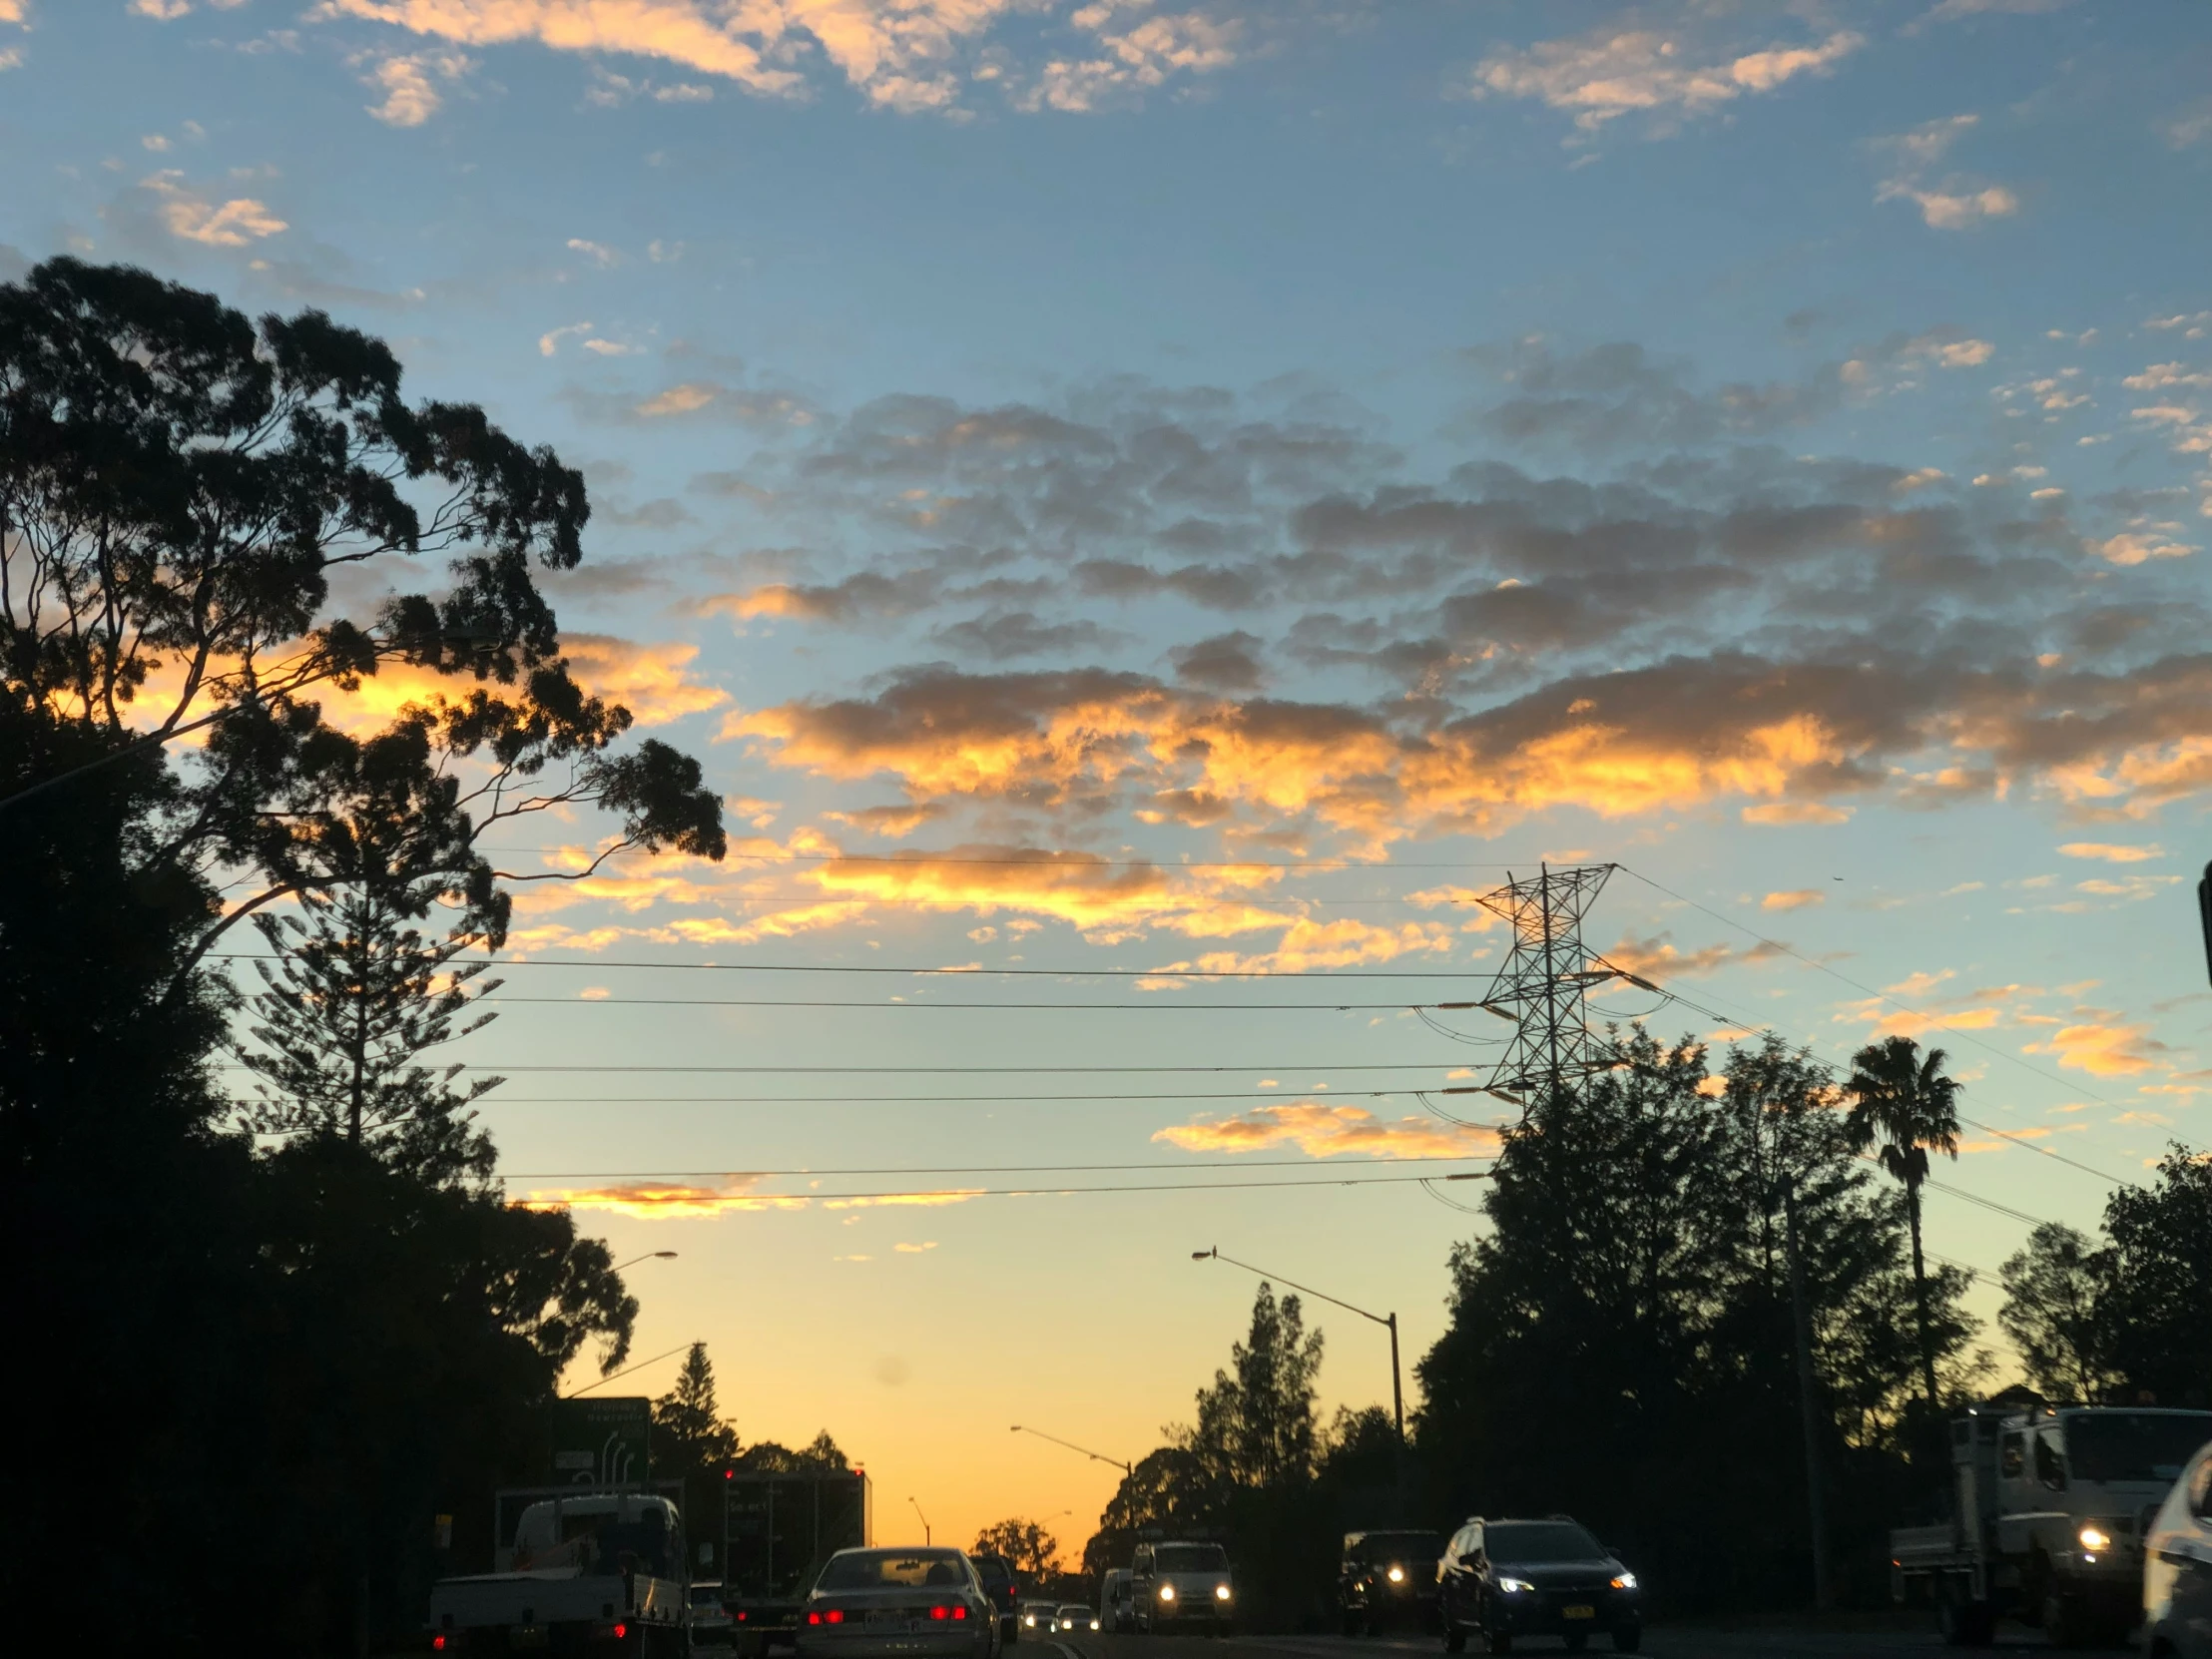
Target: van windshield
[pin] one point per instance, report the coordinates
(1191, 1558)
(1399, 1546)
(2134, 1445)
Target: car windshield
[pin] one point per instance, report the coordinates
(2134, 1445)
(1071, 1611)
(706, 1595)
(1399, 1546)
(885, 1569)
(1534, 1542)
(1191, 1558)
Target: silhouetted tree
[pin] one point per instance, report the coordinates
(2161, 1340)
(1255, 1425)
(1902, 1099)
(1025, 1543)
(2057, 1304)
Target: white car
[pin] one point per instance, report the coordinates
(2177, 1568)
(1072, 1618)
(897, 1604)
(1181, 1587)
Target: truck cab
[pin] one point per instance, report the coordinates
(2050, 1509)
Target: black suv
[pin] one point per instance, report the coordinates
(997, 1574)
(1505, 1578)
(1388, 1578)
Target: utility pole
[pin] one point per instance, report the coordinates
(1815, 1483)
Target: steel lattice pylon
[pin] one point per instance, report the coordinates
(1544, 978)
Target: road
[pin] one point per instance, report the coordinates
(1660, 1642)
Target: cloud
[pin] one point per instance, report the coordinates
(1953, 203)
(598, 253)
(1657, 958)
(733, 1195)
(1606, 74)
(1132, 59)
(412, 94)
(2100, 1048)
(1327, 1130)
(2110, 853)
(1797, 898)
(232, 224)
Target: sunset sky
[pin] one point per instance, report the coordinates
(1386, 442)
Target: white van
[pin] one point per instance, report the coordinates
(1117, 1605)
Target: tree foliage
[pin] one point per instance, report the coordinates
(1025, 1543)
(293, 1357)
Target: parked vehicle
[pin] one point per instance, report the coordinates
(1117, 1607)
(781, 1528)
(1181, 1587)
(1004, 1589)
(897, 1604)
(1072, 1617)
(596, 1572)
(1388, 1578)
(1507, 1578)
(710, 1624)
(2048, 1511)
(2177, 1568)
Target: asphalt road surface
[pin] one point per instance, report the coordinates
(1777, 1641)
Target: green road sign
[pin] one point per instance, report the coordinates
(601, 1442)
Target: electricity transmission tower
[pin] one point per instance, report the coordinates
(1543, 983)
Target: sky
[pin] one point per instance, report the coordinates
(1150, 486)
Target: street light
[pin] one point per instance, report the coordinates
(924, 1522)
(649, 1256)
(1397, 1391)
(1094, 1456)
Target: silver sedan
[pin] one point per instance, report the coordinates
(897, 1604)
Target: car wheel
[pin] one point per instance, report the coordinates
(1455, 1639)
(1627, 1638)
(1578, 1643)
(1350, 1622)
(1497, 1641)
(2063, 1622)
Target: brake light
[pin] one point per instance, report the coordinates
(829, 1615)
(959, 1613)
(940, 1612)
(437, 1644)
(621, 1630)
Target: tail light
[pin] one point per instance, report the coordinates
(825, 1615)
(942, 1613)
(437, 1644)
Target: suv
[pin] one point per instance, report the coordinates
(1182, 1587)
(1388, 1578)
(1505, 1578)
(997, 1574)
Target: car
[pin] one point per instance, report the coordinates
(1500, 1579)
(907, 1603)
(710, 1624)
(1181, 1587)
(1037, 1616)
(1072, 1617)
(1004, 1589)
(1117, 1609)
(1386, 1578)
(2177, 1567)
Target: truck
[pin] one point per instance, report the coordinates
(2050, 1506)
(580, 1572)
(778, 1528)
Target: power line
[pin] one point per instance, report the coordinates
(959, 1193)
(955, 1007)
(973, 971)
(923, 1099)
(1987, 1203)
(1883, 996)
(727, 1173)
(916, 1071)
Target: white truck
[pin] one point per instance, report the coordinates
(2048, 1510)
(599, 1573)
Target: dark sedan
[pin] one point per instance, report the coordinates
(1388, 1578)
(1503, 1580)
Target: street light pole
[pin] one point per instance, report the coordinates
(925, 1537)
(1094, 1456)
(1398, 1389)
(649, 1256)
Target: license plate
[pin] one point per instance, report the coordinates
(526, 1635)
(1580, 1610)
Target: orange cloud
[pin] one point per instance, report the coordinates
(2111, 853)
(687, 1201)
(1797, 898)
(2103, 1049)
(1326, 1131)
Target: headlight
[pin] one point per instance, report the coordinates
(1221, 1592)
(1031, 1621)
(2093, 1537)
(1514, 1587)
(1094, 1624)
(1626, 1582)
(1397, 1575)
(1167, 1592)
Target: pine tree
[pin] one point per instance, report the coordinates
(688, 1425)
(354, 996)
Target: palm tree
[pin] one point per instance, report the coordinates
(1903, 1099)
